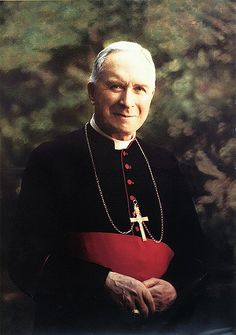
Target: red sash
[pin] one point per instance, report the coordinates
(125, 254)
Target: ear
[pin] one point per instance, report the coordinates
(91, 92)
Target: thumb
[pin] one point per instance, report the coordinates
(151, 282)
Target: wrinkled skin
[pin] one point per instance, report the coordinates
(148, 297)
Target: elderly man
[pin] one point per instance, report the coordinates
(106, 232)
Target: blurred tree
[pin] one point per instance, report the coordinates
(194, 47)
(47, 48)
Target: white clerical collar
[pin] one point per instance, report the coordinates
(118, 144)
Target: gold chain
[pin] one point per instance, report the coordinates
(103, 200)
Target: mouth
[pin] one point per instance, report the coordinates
(124, 115)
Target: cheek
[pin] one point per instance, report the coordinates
(145, 104)
(102, 106)
(108, 100)
(144, 108)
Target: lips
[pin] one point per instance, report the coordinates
(124, 115)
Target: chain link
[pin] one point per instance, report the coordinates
(158, 198)
(103, 200)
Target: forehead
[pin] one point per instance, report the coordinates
(129, 66)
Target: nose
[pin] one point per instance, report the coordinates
(127, 98)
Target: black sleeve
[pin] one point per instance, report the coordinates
(187, 271)
(36, 262)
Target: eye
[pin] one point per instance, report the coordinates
(116, 87)
(139, 88)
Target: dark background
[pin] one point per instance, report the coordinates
(47, 49)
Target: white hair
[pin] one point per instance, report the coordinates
(116, 47)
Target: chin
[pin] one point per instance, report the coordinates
(126, 135)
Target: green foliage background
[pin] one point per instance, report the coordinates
(47, 49)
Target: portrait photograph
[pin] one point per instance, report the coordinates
(118, 160)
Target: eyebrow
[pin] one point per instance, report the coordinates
(112, 80)
(115, 80)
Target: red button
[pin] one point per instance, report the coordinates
(130, 182)
(125, 153)
(128, 167)
(137, 228)
(132, 197)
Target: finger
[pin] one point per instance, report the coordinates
(151, 282)
(156, 293)
(128, 303)
(156, 302)
(163, 297)
(163, 303)
(133, 308)
(161, 306)
(149, 301)
(160, 299)
(142, 307)
(165, 289)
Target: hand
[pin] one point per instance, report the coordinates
(130, 293)
(163, 293)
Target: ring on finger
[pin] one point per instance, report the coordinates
(135, 311)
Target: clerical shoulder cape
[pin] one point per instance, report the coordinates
(64, 244)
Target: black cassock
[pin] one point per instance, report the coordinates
(64, 244)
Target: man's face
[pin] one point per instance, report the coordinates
(122, 94)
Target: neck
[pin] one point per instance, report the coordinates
(115, 136)
(119, 143)
(122, 137)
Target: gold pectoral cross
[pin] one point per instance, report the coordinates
(140, 219)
